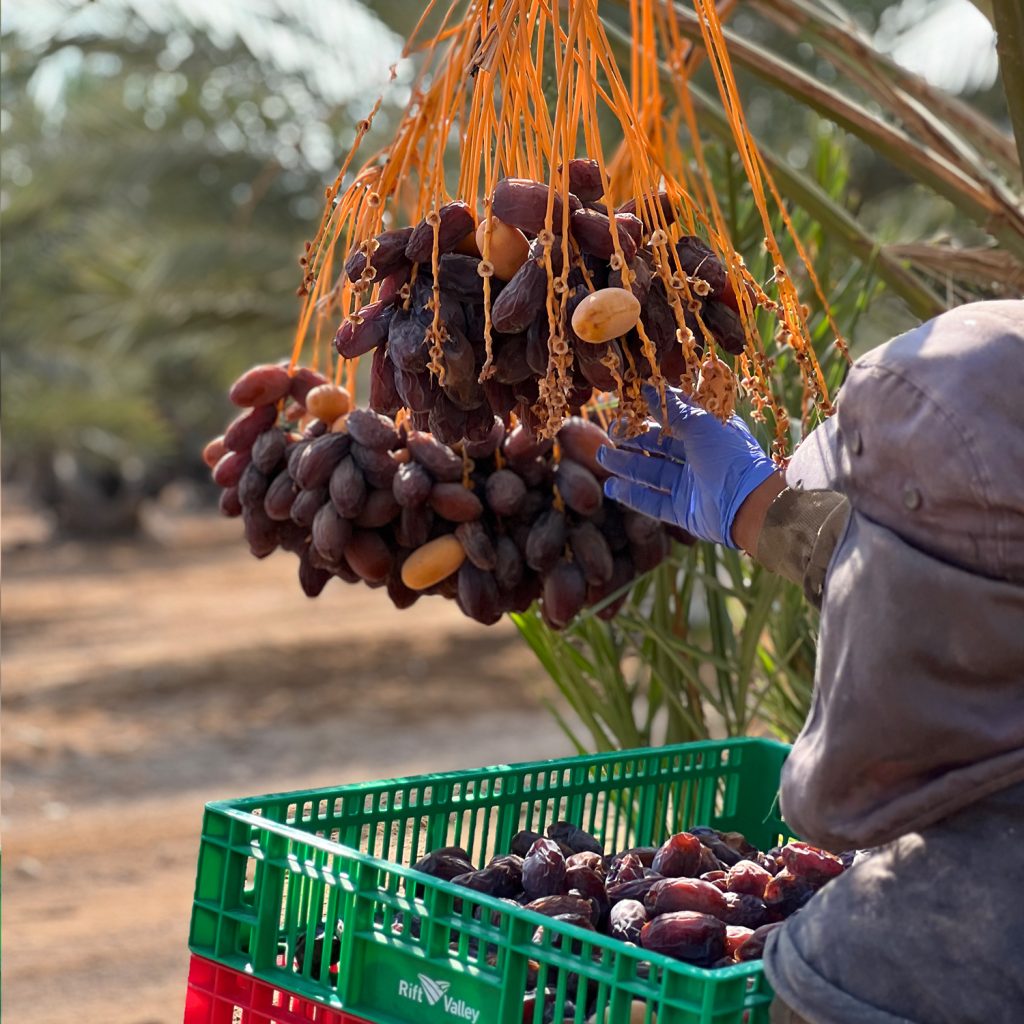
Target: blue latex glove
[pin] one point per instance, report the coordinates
(694, 471)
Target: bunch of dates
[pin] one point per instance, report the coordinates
(545, 333)
(706, 897)
(494, 525)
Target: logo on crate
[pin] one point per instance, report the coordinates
(432, 992)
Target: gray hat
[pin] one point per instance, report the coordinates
(918, 705)
(928, 439)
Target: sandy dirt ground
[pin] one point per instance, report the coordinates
(141, 680)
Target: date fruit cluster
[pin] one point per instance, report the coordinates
(556, 332)
(495, 525)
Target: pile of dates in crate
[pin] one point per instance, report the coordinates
(705, 897)
(493, 524)
(613, 304)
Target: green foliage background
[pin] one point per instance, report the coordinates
(158, 181)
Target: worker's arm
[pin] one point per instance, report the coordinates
(713, 479)
(799, 532)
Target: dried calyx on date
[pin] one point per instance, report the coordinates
(472, 319)
(494, 524)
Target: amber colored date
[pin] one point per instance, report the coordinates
(748, 877)
(674, 894)
(243, 432)
(626, 867)
(805, 861)
(686, 935)
(229, 469)
(736, 936)
(262, 385)
(304, 379)
(678, 856)
(786, 893)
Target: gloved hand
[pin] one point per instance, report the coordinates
(694, 471)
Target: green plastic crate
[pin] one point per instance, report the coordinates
(415, 950)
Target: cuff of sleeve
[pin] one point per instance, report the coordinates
(808, 993)
(800, 532)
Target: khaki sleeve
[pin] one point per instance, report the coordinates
(800, 532)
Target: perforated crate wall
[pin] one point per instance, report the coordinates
(415, 950)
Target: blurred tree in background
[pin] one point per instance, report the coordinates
(160, 174)
(163, 164)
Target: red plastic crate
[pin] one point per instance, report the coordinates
(220, 995)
